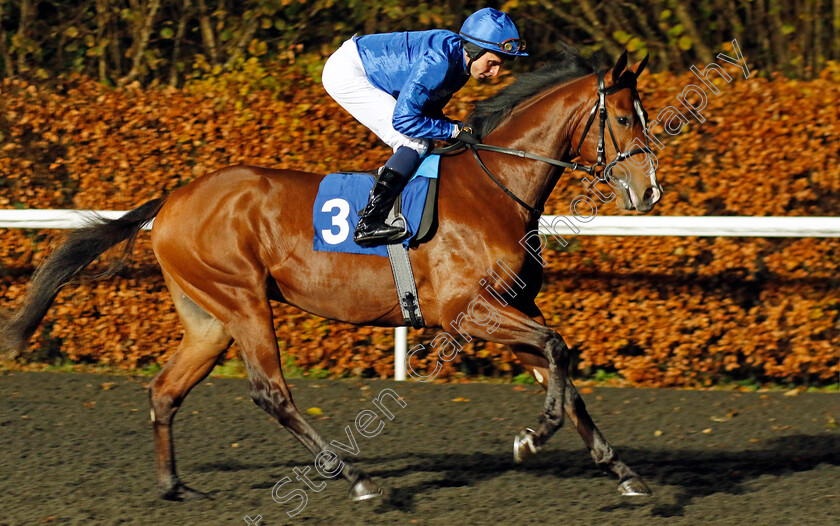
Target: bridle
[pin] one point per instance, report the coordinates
(626, 81)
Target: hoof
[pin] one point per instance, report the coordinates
(523, 445)
(364, 489)
(634, 487)
(180, 492)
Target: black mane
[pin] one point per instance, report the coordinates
(569, 65)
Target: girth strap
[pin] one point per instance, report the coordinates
(404, 279)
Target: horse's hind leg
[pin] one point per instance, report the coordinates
(205, 339)
(254, 333)
(630, 484)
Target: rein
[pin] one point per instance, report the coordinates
(626, 82)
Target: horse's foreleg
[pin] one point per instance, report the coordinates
(557, 357)
(629, 483)
(525, 327)
(605, 457)
(255, 335)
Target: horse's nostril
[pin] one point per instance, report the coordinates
(649, 195)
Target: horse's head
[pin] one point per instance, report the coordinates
(612, 138)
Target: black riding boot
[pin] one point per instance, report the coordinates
(372, 229)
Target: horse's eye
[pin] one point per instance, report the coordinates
(622, 120)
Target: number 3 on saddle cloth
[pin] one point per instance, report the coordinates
(342, 195)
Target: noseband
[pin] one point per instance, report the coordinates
(626, 81)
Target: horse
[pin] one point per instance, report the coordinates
(232, 241)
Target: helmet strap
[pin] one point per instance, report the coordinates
(474, 53)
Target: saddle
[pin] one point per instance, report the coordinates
(341, 195)
(335, 215)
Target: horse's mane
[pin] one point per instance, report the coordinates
(569, 65)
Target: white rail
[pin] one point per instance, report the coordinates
(707, 226)
(53, 218)
(717, 226)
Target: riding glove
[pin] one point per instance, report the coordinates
(467, 136)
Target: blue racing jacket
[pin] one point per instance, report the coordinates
(421, 69)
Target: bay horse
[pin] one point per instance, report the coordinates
(233, 240)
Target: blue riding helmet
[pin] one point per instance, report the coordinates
(494, 31)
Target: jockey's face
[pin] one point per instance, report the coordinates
(487, 65)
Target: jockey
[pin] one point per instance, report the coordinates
(397, 84)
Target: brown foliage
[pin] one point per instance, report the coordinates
(659, 311)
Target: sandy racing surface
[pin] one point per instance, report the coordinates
(77, 449)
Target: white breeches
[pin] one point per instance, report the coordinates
(345, 80)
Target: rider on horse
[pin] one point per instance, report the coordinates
(397, 84)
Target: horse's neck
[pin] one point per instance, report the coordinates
(543, 126)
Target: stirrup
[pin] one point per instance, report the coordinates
(375, 237)
(397, 220)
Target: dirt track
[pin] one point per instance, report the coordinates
(73, 452)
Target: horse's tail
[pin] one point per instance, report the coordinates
(80, 249)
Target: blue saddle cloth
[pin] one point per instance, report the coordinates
(342, 195)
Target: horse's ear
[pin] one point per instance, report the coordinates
(642, 65)
(620, 64)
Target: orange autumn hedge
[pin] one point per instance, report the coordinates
(658, 311)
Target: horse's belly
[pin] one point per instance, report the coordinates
(345, 287)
